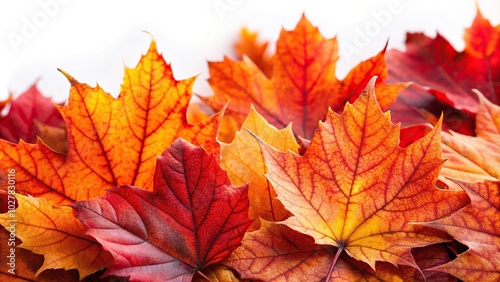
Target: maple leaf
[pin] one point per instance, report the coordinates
(303, 83)
(415, 106)
(356, 189)
(26, 265)
(55, 233)
(244, 163)
(277, 253)
(193, 218)
(254, 50)
(29, 107)
(450, 75)
(111, 142)
(478, 226)
(475, 158)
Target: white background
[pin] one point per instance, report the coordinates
(93, 40)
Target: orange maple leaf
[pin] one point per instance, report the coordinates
(303, 83)
(244, 163)
(110, 142)
(478, 226)
(27, 263)
(57, 234)
(356, 189)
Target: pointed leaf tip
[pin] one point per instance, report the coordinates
(70, 78)
(152, 46)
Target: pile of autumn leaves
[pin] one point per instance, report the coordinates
(290, 174)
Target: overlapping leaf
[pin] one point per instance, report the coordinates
(198, 112)
(450, 75)
(244, 162)
(53, 136)
(303, 83)
(193, 218)
(429, 257)
(30, 107)
(361, 186)
(57, 234)
(218, 273)
(477, 226)
(475, 158)
(415, 106)
(356, 189)
(277, 253)
(249, 46)
(26, 265)
(111, 142)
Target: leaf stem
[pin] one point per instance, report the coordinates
(334, 262)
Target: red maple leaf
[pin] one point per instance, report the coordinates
(448, 75)
(192, 219)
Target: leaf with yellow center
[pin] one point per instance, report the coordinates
(356, 189)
